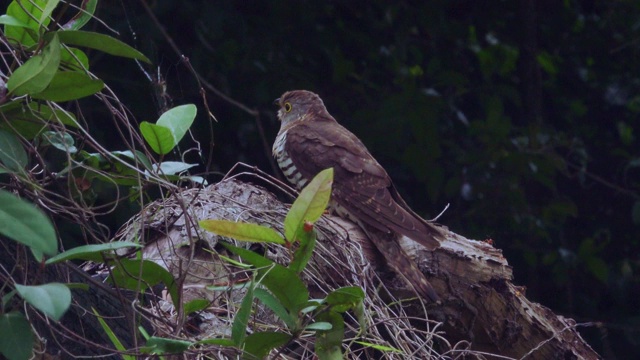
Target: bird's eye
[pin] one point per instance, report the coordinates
(287, 107)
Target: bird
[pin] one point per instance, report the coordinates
(311, 140)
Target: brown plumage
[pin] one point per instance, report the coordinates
(311, 140)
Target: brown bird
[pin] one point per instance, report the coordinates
(311, 140)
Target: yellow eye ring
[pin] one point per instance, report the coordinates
(287, 107)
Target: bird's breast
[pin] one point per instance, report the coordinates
(285, 162)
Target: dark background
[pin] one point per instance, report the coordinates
(522, 115)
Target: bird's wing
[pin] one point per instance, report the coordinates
(360, 185)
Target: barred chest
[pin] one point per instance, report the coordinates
(285, 163)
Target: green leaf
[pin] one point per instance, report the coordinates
(329, 342)
(91, 252)
(218, 341)
(320, 325)
(30, 120)
(310, 204)
(242, 231)
(60, 140)
(379, 347)
(84, 15)
(12, 153)
(303, 253)
(74, 59)
(345, 298)
(36, 73)
(101, 42)
(26, 224)
(139, 156)
(158, 137)
(195, 305)
(158, 345)
(28, 13)
(261, 343)
(112, 336)
(138, 274)
(272, 303)
(46, 12)
(10, 20)
(292, 296)
(69, 85)
(16, 342)
(178, 120)
(241, 320)
(52, 299)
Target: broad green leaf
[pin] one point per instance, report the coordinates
(69, 85)
(91, 252)
(309, 205)
(195, 305)
(29, 121)
(178, 120)
(157, 345)
(26, 224)
(138, 274)
(292, 296)
(158, 137)
(272, 303)
(345, 298)
(74, 59)
(12, 153)
(261, 343)
(303, 253)
(241, 320)
(36, 73)
(60, 140)
(139, 156)
(52, 299)
(102, 42)
(16, 342)
(46, 12)
(328, 344)
(112, 336)
(242, 231)
(84, 15)
(28, 35)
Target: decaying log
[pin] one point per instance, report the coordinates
(481, 312)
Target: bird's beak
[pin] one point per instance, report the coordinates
(276, 101)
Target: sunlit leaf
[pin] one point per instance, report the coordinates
(178, 120)
(242, 231)
(310, 204)
(52, 299)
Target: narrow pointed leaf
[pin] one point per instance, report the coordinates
(310, 204)
(91, 252)
(272, 303)
(102, 42)
(84, 15)
(241, 320)
(303, 253)
(242, 231)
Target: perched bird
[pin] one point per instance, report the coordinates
(311, 140)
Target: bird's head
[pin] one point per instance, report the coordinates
(299, 105)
